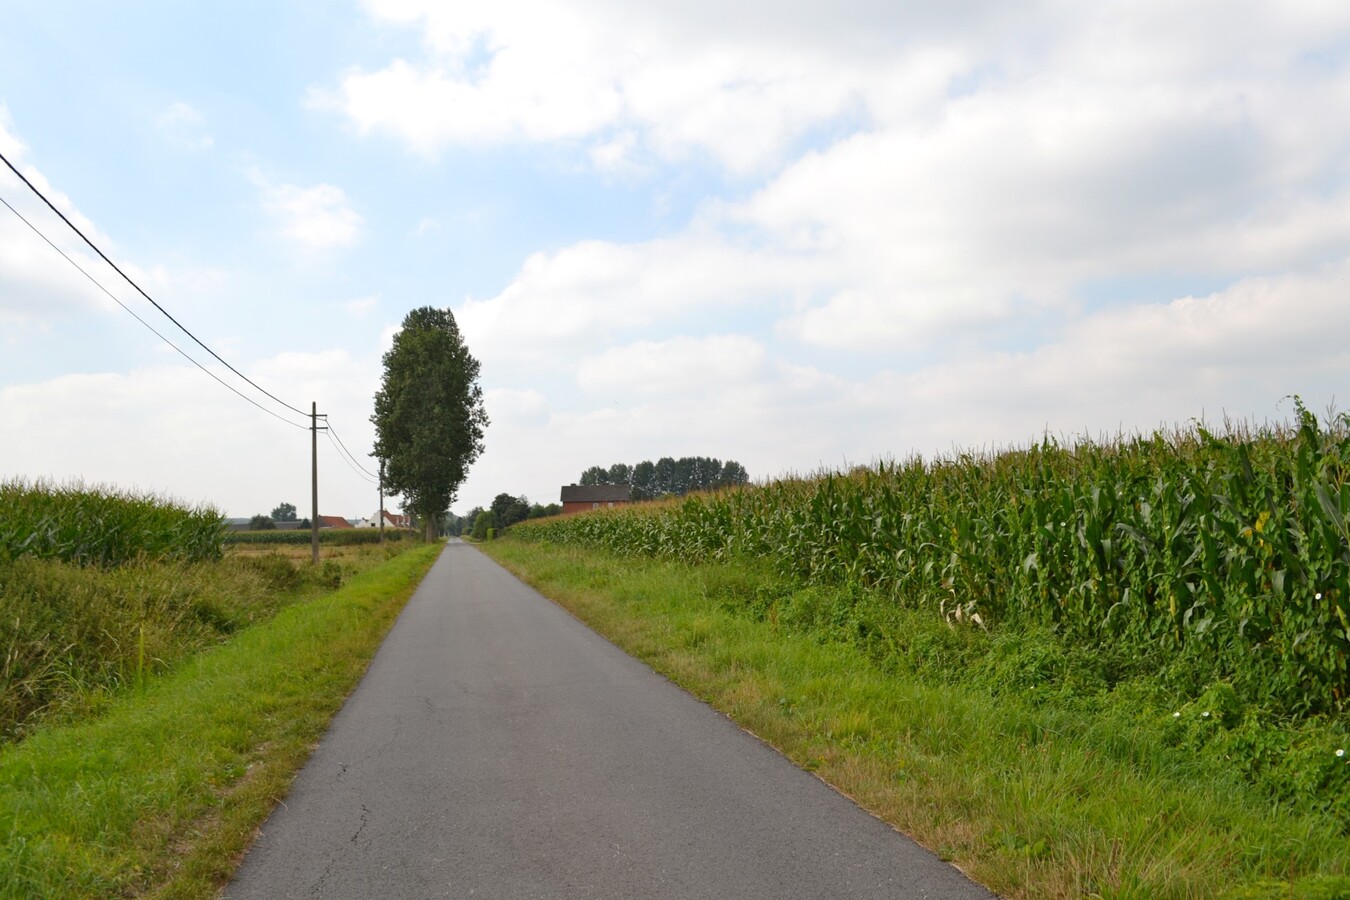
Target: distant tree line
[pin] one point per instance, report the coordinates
(670, 477)
(505, 511)
(283, 512)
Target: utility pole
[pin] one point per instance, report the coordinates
(314, 472)
(381, 512)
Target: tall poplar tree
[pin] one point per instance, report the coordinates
(429, 416)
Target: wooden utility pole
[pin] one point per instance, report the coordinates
(381, 507)
(314, 472)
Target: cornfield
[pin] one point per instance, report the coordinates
(337, 536)
(1228, 552)
(101, 526)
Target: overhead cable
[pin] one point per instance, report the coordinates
(349, 453)
(347, 461)
(138, 288)
(133, 314)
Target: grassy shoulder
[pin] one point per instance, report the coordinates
(1033, 792)
(161, 792)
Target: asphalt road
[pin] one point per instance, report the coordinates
(499, 748)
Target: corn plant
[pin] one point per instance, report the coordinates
(1227, 552)
(101, 526)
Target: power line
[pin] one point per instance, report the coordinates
(350, 454)
(138, 288)
(334, 442)
(133, 314)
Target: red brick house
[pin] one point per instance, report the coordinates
(585, 497)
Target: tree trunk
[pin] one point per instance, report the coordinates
(431, 529)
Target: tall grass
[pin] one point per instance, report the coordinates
(100, 587)
(1211, 558)
(72, 635)
(102, 526)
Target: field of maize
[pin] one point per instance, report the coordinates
(339, 537)
(1225, 557)
(102, 526)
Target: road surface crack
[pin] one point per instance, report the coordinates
(365, 817)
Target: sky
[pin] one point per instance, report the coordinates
(797, 235)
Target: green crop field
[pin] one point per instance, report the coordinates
(1215, 558)
(336, 536)
(102, 526)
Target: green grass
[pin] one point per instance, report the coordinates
(72, 636)
(162, 791)
(1008, 753)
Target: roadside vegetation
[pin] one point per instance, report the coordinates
(336, 537)
(155, 702)
(102, 589)
(1099, 670)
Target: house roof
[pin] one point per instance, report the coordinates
(594, 493)
(333, 522)
(395, 519)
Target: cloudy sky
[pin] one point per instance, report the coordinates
(795, 234)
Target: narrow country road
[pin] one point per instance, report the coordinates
(499, 748)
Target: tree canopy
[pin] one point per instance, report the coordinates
(284, 512)
(508, 510)
(429, 415)
(667, 475)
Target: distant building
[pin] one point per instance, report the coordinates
(585, 497)
(333, 522)
(391, 520)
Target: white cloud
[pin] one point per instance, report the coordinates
(506, 406)
(592, 294)
(1238, 351)
(319, 217)
(742, 83)
(979, 179)
(361, 307)
(615, 154)
(170, 429)
(681, 365)
(36, 283)
(182, 124)
(933, 225)
(533, 71)
(984, 244)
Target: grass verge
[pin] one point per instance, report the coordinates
(1031, 795)
(161, 794)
